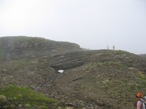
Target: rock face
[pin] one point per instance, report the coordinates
(29, 47)
(91, 79)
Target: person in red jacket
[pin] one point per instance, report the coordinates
(139, 95)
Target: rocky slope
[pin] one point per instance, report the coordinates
(93, 79)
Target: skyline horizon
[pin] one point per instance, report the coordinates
(107, 47)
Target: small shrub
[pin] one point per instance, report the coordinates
(27, 105)
(2, 98)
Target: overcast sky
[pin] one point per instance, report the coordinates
(93, 24)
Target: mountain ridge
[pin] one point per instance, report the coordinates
(23, 46)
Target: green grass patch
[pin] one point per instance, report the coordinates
(25, 97)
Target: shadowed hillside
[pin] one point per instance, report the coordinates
(93, 79)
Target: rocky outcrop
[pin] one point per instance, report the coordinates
(79, 58)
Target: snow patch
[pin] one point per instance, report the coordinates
(60, 71)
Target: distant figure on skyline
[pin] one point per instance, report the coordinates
(107, 47)
(113, 47)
